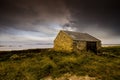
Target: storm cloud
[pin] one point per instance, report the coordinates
(42, 19)
(100, 18)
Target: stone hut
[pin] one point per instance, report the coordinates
(70, 41)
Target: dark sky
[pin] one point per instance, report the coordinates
(22, 20)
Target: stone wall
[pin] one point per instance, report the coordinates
(82, 46)
(63, 42)
(79, 46)
(98, 45)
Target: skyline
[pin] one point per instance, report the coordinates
(41, 20)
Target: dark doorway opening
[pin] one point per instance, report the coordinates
(91, 46)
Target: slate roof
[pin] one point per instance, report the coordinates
(81, 36)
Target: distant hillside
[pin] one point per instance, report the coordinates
(108, 45)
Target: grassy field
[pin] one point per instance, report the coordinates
(38, 64)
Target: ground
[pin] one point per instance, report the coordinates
(47, 64)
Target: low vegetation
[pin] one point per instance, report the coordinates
(39, 64)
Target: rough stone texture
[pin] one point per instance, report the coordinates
(64, 42)
(79, 46)
(98, 45)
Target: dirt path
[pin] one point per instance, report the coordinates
(71, 77)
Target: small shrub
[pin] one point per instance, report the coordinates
(15, 57)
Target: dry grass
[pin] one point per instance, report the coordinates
(40, 64)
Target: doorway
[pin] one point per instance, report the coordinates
(91, 46)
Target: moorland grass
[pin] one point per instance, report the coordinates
(37, 64)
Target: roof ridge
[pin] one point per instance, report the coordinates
(73, 31)
(80, 36)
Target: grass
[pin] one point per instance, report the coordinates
(37, 64)
(115, 51)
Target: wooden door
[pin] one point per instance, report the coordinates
(91, 46)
